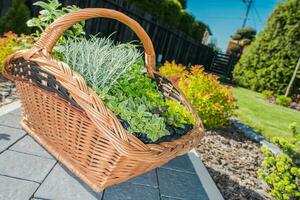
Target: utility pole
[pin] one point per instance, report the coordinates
(247, 11)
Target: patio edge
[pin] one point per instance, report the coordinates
(10, 107)
(208, 184)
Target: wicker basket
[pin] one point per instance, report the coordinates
(67, 117)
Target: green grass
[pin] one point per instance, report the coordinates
(268, 119)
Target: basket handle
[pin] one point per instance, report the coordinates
(55, 30)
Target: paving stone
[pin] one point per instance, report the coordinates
(15, 189)
(8, 136)
(11, 120)
(16, 112)
(181, 163)
(28, 145)
(131, 191)
(180, 185)
(148, 179)
(25, 166)
(62, 185)
(171, 198)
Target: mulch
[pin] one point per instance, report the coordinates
(233, 160)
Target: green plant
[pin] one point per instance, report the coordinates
(269, 61)
(49, 13)
(283, 100)
(214, 106)
(116, 73)
(171, 69)
(99, 60)
(267, 94)
(139, 116)
(142, 92)
(15, 18)
(178, 115)
(281, 172)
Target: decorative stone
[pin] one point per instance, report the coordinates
(233, 160)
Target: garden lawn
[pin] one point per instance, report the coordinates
(268, 119)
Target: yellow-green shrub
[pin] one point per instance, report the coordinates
(214, 102)
(11, 43)
(281, 172)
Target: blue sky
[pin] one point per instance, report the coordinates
(224, 17)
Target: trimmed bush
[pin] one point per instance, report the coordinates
(268, 63)
(267, 94)
(214, 102)
(283, 101)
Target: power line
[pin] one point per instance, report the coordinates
(254, 21)
(249, 3)
(258, 15)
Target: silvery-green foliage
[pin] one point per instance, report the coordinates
(99, 60)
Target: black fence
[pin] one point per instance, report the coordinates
(170, 44)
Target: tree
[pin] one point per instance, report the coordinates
(213, 43)
(173, 13)
(15, 18)
(183, 3)
(242, 38)
(268, 63)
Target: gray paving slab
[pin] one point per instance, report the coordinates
(24, 166)
(15, 189)
(29, 146)
(178, 184)
(11, 120)
(16, 112)
(170, 198)
(8, 136)
(181, 163)
(60, 184)
(148, 179)
(131, 191)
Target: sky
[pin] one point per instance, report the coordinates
(224, 17)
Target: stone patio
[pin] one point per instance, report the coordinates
(27, 171)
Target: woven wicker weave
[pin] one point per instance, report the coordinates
(64, 115)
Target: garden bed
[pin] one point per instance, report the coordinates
(7, 91)
(233, 160)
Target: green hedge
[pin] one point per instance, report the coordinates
(268, 63)
(173, 13)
